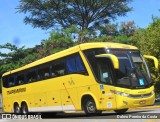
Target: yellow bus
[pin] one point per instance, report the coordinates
(92, 77)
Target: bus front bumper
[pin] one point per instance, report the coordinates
(127, 102)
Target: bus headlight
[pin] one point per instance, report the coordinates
(122, 94)
(134, 96)
(125, 94)
(152, 92)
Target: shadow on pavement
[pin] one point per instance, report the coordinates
(82, 115)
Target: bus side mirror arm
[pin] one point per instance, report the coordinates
(112, 57)
(152, 58)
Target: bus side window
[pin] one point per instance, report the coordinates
(11, 81)
(58, 69)
(71, 65)
(74, 64)
(31, 76)
(5, 81)
(20, 79)
(53, 73)
(44, 73)
(79, 64)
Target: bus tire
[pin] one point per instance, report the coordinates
(89, 107)
(17, 109)
(24, 109)
(121, 111)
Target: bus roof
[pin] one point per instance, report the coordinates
(72, 50)
(108, 45)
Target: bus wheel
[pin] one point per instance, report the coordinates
(121, 111)
(24, 108)
(90, 107)
(17, 109)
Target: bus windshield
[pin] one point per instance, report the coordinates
(133, 71)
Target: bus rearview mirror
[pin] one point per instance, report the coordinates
(152, 58)
(112, 57)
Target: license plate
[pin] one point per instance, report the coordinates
(142, 102)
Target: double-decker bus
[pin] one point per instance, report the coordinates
(93, 77)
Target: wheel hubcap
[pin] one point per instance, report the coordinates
(17, 109)
(24, 110)
(91, 107)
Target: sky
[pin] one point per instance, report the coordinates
(13, 29)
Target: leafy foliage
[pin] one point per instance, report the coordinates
(128, 28)
(11, 59)
(121, 39)
(109, 29)
(84, 14)
(148, 41)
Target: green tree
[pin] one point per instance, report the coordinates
(121, 39)
(135, 38)
(148, 41)
(15, 57)
(82, 13)
(57, 41)
(128, 28)
(118, 32)
(109, 30)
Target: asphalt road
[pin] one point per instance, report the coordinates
(136, 114)
(146, 115)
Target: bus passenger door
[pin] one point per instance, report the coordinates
(108, 98)
(106, 80)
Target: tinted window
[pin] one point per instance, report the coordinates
(58, 68)
(79, 64)
(31, 76)
(20, 79)
(124, 62)
(5, 81)
(55, 68)
(44, 73)
(105, 72)
(74, 64)
(11, 81)
(90, 55)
